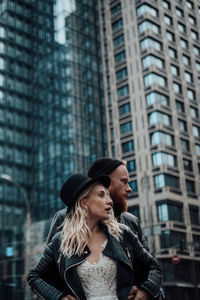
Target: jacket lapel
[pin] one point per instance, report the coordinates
(115, 251)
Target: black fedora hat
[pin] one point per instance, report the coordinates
(75, 184)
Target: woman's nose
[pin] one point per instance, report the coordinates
(109, 200)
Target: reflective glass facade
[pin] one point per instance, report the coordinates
(51, 113)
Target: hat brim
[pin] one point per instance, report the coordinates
(103, 179)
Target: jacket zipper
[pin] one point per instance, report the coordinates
(65, 276)
(128, 254)
(58, 261)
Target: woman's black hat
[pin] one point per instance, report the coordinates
(75, 184)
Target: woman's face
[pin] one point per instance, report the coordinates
(99, 203)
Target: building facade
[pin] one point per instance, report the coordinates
(151, 64)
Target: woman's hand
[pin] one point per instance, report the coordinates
(68, 297)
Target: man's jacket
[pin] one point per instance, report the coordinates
(70, 282)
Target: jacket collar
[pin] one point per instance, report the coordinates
(113, 249)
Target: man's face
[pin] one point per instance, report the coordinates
(119, 189)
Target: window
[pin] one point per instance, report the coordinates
(152, 60)
(153, 78)
(127, 146)
(197, 149)
(184, 44)
(121, 74)
(119, 40)
(145, 8)
(196, 50)
(186, 60)
(180, 107)
(123, 91)
(181, 28)
(187, 164)
(190, 186)
(124, 109)
(166, 4)
(155, 97)
(189, 4)
(172, 53)
(194, 35)
(159, 117)
(126, 127)
(198, 66)
(173, 239)
(168, 20)
(150, 42)
(170, 211)
(170, 36)
(177, 88)
(174, 70)
(116, 9)
(148, 25)
(194, 112)
(179, 12)
(184, 145)
(162, 180)
(112, 133)
(182, 125)
(134, 210)
(194, 214)
(191, 95)
(120, 56)
(133, 185)
(196, 240)
(188, 77)
(196, 130)
(160, 137)
(117, 25)
(163, 158)
(131, 166)
(192, 20)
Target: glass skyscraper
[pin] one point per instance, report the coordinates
(51, 120)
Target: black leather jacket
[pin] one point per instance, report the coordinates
(123, 253)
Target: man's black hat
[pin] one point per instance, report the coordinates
(103, 166)
(75, 184)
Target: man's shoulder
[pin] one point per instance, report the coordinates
(61, 213)
(128, 217)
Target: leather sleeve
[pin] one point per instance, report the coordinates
(153, 279)
(133, 223)
(36, 276)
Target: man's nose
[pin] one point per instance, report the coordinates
(129, 189)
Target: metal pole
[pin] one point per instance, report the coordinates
(146, 188)
(27, 230)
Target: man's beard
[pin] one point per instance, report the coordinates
(119, 206)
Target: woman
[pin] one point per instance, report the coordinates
(93, 252)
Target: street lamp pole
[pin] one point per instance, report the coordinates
(8, 178)
(146, 189)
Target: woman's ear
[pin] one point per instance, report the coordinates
(83, 203)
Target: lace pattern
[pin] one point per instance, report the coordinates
(99, 280)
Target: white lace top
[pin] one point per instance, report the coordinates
(99, 280)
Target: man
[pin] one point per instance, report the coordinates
(119, 191)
